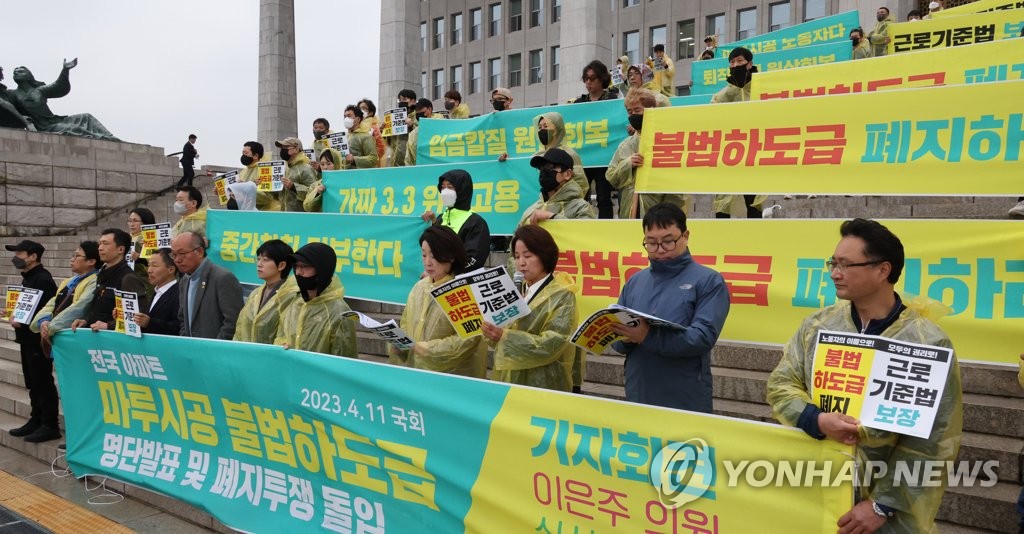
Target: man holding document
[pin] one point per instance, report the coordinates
(667, 366)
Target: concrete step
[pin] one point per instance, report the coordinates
(991, 508)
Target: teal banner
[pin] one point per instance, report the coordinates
(709, 75)
(501, 190)
(594, 130)
(378, 257)
(831, 29)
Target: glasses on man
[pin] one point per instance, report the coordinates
(76, 256)
(498, 100)
(176, 255)
(668, 245)
(834, 265)
(590, 78)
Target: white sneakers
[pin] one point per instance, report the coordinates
(1017, 212)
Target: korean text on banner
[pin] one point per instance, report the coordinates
(26, 305)
(774, 284)
(11, 300)
(339, 142)
(945, 32)
(987, 62)
(343, 445)
(594, 334)
(860, 141)
(154, 238)
(501, 190)
(221, 183)
(483, 295)
(378, 257)
(394, 122)
(271, 174)
(980, 6)
(126, 305)
(887, 384)
(710, 75)
(829, 29)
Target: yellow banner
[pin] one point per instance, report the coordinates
(980, 6)
(841, 375)
(986, 62)
(457, 300)
(974, 267)
(849, 144)
(944, 32)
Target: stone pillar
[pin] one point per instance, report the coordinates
(585, 35)
(400, 58)
(277, 113)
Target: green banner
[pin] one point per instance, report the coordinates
(378, 257)
(274, 440)
(830, 29)
(709, 75)
(501, 190)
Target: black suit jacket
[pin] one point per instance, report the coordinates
(163, 318)
(188, 154)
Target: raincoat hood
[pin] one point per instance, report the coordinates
(323, 258)
(646, 74)
(463, 183)
(245, 195)
(557, 128)
(336, 156)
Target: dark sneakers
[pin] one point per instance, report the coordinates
(43, 433)
(31, 426)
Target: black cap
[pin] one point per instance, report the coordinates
(555, 156)
(424, 103)
(27, 245)
(707, 39)
(740, 51)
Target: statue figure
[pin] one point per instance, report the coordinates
(10, 117)
(30, 99)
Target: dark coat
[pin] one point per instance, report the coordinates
(474, 232)
(218, 303)
(163, 317)
(36, 278)
(122, 278)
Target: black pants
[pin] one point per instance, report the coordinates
(42, 392)
(603, 190)
(187, 174)
(752, 212)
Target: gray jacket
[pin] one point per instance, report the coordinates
(218, 302)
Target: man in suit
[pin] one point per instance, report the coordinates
(188, 159)
(162, 315)
(210, 297)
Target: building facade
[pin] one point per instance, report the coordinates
(538, 48)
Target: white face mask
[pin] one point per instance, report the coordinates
(349, 123)
(448, 197)
(180, 208)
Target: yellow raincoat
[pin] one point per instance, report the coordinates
(302, 176)
(259, 325)
(622, 175)
(535, 350)
(265, 201)
(556, 139)
(789, 389)
(663, 79)
(565, 204)
(195, 222)
(438, 347)
(460, 111)
(314, 201)
(317, 325)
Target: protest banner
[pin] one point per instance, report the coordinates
(945, 32)
(594, 334)
(389, 331)
(830, 29)
(394, 122)
(221, 183)
(774, 282)
(126, 305)
(985, 62)
(339, 142)
(709, 76)
(11, 301)
(859, 141)
(155, 237)
(501, 191)
(378, 257)
(26, 305)
(887, 384)
(482, 295)
(310, 153)
(271, 174)
(980, 6)
(343, 445)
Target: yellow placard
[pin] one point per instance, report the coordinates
(841, 377)
(985, 62)
(845, 144)
(980, 6)
(13, 294)
(945, 32)
(457, 300)
(775, 281)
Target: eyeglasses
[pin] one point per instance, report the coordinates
(498, 100)
(833, 265)
(76, 256)
(590, 78)
(176, 255)
(667, 246)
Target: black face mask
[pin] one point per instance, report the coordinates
(636, 121)
(740, 75)
(543, 136)
(498, 106)
(18, 263)
(284, 154)
(880, 17)
(306, 284)
(318, 135)
(232, 204)
(856, 40)
(449, 105)
(246, 160)
(548, 181)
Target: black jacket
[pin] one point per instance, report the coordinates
(36, 278)
(119, 277)
(609, 94)
(163, 317)
(188, 154)
(474, 233)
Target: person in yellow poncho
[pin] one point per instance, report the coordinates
(188, 202)
(455, 106)
(737, 89)
(642, 77)
(437, 346)
(551, 134)
(252, 155)
(315, 197)
(315, 322)
(535, 350)
(298, 176)
(261, 315)
(664, 72)
(362, 153)
(865, 266)
(370, 119)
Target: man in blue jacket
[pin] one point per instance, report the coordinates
(666, 366)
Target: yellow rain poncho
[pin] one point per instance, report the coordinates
(565, 204)
(460, 111)
(194, 222)
(302, 176)
(789, 389)
(314, 201)
(259, 325)
(535, 350)
(622, 175)
(438, 347)
(556, 139)
(317, 325)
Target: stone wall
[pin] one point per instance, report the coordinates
(54, 184)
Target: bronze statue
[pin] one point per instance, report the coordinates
(10, 117)
(30, 97)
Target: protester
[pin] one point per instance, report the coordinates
(161, 317)
(865, 266)
(622, 65)
(321, 129)
(710, 48)
(741, 71)
(252, 155)
(879, 37)
(136, 219)
(598, 83)
(551, 133)
(664, 72)
(36, 367)
(370, 119)
(188, 203)
(861, 47)
(260, 317)
(299, 175)
(315, 322)
(535, 350)
(934, 7)
(642, 77)
(437, 346)
(73, 296)
(501, 99)
(398, 144)
(455, 106)
(666, 366)
(188, 160)
(456, 190)
(559, 194)
(424, 110)
(114, 275)
(209, 296)
(315, 197)
(362, 152)
(242, 196)
(914, 15)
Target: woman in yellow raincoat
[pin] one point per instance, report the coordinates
(438, 347)
(535, 350)
(330, 160)
(261, 315)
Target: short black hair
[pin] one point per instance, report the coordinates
(193, 194)
(355, 110)
(664, 215)
(278, 251)
(323, 121)
(121, 238)
(144, 214)
(600, 70)
(859, 30)
(539, 242)
(446, 247)
(255, 147)
(454, 95)
(879, 243)
(886, 10)
(918, 14)
(192, 136)
(91, 249)
(369, 105)
(659, 47)
(407, 93)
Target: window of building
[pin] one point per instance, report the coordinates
(746, 23)
(475, 18)
(536, 66)
(438, 91)
(456, 28)
(536, 13)
(423, 81)
(515, 15)
(556, 11)
(474, 77)
(457, 78)
(686, 44)
(555, 52)
(814, 9)
(716, 26)
(438, 32)
(778, 16)
(493, 73)
(628, 3)
(494, 20)
(515, 70)
(657, 36)
(423, 36)
(631, 46)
